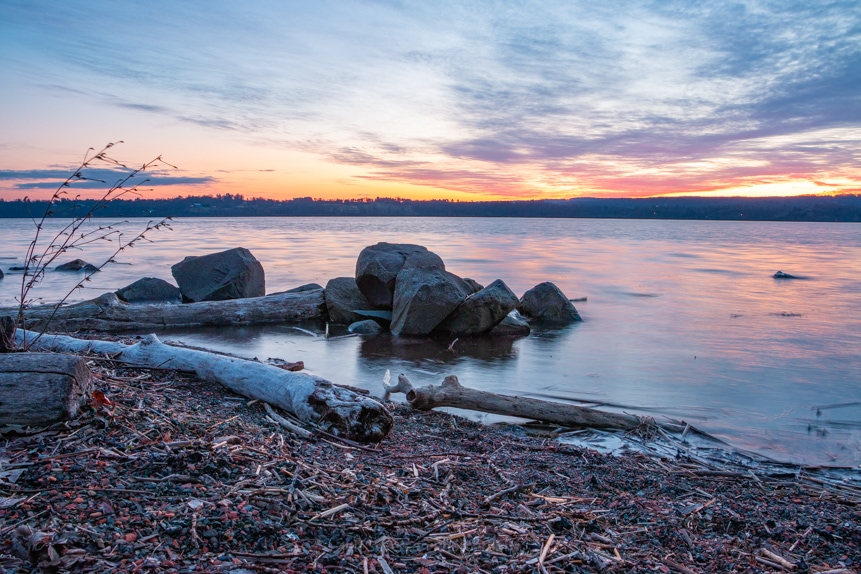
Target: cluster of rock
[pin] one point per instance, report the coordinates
(407, 288)
(401, 287)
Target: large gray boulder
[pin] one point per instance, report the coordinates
(343, 299)
(150, 289)
(480, 312)
(231, 274)
(378, 266)
(546, 302)
(423, 298)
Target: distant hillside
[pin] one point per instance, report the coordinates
(803, 208)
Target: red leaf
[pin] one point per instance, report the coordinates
(100, 399)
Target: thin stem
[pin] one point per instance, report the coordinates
(70, 235)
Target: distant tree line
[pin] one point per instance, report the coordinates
(801, 208)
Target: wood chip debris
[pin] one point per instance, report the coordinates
(182, 477)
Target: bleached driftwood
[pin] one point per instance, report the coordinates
(108, 313)
(37, 389)
(337, 410)
(452, 394)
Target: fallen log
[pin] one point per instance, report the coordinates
(452, 394)
(38, 389)
(107, 313)
(312, 399)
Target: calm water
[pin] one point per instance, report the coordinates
(683, 318)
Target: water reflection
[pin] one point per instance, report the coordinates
(445, 351)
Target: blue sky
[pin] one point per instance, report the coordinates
(467, 100)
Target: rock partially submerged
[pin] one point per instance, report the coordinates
(77, 265)
(480, 312)
(513, 325)
(546, 302)
(150, 290)
(299, 289)
(231, 274)
(366, 327)
(423, 298)
(343, 298)
(782, 275)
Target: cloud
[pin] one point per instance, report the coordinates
(94, 179)
(149, 108)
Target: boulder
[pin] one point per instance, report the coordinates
(378, 266)
(77, 265)
(231, 274)
(512, 326)
(423, 298)
(474, 285)
(480, 312)
(782, 275)
(546, 302)
(366, 327)
(343, 299)
(150, 289)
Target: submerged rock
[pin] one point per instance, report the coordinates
(231, 274)
(77, 265)
(512, 326)
(546, 302)
(366, 327)
(150, 289)
(300, 289)
(782, 275)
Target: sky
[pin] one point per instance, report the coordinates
(472, 100)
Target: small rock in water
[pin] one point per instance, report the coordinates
(77, 265)
(366, 327)
(782, 275)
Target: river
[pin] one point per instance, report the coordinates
(682, 319)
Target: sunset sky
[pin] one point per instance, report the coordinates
(464, 100)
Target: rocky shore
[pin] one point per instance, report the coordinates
(166, 473)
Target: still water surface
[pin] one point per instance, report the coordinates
(682, 318)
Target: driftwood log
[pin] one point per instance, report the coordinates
(107, 313)
(38, 389)
(452, 394)
(337, 410)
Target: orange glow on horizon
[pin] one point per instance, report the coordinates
(301, 174)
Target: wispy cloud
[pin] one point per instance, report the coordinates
(93, 179)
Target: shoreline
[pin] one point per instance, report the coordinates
(182, 475)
